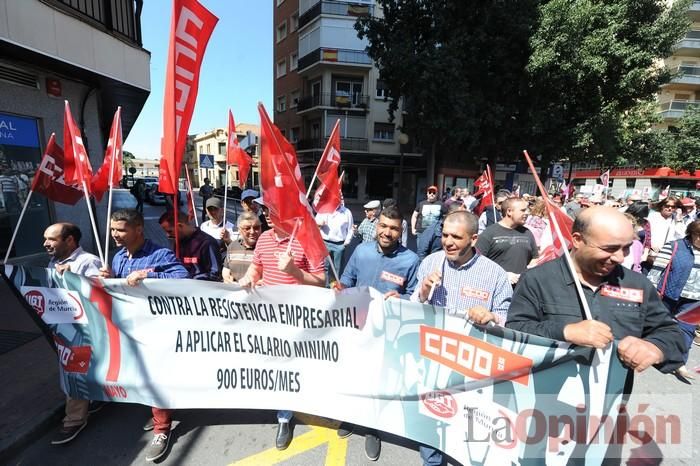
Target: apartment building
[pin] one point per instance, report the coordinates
(323, 74)
(89, 53)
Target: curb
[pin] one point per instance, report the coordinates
(38, 426)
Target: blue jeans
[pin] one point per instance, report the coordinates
(284, 416)
(336, 252)
(688, 330)
(431, 456)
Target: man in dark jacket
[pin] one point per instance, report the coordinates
(430, 240)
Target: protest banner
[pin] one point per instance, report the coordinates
(492, 396)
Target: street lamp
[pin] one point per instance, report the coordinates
(403, 140)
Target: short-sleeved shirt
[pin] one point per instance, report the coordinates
(511, 248)
(238, 259)
(267, 252)
(428, 213)
(81, 263)
(545, 301)
(369, 266)
(477, 282)
(214, 230)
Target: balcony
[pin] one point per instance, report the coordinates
(689, 46)
(335, 56)
(686, 75)
(346, 144)
(694, 11)
(335, 8)
(674, 109)
(334, 100)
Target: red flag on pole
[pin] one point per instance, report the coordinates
(76, 166)
(48, 179)
(235, 155)
(284, 191)
(190, 30)
(484, 187)
(605, 178)
(328, 195)
(102, 180)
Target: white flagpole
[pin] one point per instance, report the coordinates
(94, 225)
(291, 237)
(19, 222)
(225, 193)
(189, 189)
(109, 206)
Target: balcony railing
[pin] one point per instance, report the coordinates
(338, 100)
(686, 74)
(346, 144)
(673, 109)
(343, 56)
(335, 8)
(122, 17)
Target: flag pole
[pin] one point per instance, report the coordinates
(111, 188)
(291, 237)
(94, 225)
(176, 208)
(557, 230)
(335, 272)
(225, 192)
(313, 179)
(19, 222)
(189, 188)
(493, 188)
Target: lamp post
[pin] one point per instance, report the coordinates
(403, 139)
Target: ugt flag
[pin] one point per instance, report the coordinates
(328, 195)
(48, 179)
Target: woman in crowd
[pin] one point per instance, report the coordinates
(640, 211)
(536, 222)
(662, 223)
(676, 274)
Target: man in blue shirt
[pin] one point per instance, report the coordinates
(389, 267)
(139, 258)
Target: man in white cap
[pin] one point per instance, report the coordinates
(368, 228)
(215, 227)
(248, 197)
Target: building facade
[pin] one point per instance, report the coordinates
(323, 74)
(44, 60)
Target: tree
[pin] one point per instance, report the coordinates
(490, 77)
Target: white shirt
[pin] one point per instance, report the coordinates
(81, 263)
(336, 226)
(663, 230)
(214, 229)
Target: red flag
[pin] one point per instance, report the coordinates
(76, 165)
(102, 180)
(235, 155)
(48, 179)
(190, 29)
(328, 195)
(484, 185)
(284, 191)
(555, 247)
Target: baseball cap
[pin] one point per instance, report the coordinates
(372, 205)
(249, 193)
(259, 200)
(634, 197)
(432, 188)
(213, 202)
(687, 202)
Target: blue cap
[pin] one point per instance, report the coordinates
(249, 193)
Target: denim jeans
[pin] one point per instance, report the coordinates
(284, 416)
(688, 330)
(336, 252)
(431, 456)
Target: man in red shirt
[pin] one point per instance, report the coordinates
(280, 260)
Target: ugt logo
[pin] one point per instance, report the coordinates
(36, 300)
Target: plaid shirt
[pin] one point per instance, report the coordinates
(368, 230)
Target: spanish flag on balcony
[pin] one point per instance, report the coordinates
(329, 55)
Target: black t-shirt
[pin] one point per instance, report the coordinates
(428, 214)
(511, 248)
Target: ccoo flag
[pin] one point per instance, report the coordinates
(110, 173)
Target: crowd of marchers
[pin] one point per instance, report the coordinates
(638, 264)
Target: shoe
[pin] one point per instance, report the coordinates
(158, 446)
(96, 406)
(66, 434)
(373, 447)
(284, 436)
(696, 340)
(345, 430)
(148, 425)
(684, 372)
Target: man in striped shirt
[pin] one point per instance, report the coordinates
(464, 282)
(281, 260)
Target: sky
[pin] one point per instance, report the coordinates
(236, 72)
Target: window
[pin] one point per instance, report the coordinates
(384, 132)
(222, 148)
(282, 31)
(208, 148)
(282, 103)
(201, 149)
(293, 61)
(294, 134)
(281, 68)
(382, 91)
(294, 22)
(294, 99)
(347, 93)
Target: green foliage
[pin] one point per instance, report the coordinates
(563, 78)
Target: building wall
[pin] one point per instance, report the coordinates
(290, 84)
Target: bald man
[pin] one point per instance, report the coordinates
(624, 304)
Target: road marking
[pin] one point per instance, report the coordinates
(335, 456)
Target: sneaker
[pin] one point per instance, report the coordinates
(373, 447)
(345, 430)
(158, 447)
(148, 425)
(96, 406)
(696, 340)
(66, 434)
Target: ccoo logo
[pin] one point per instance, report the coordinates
(440, 403)
(36, 300)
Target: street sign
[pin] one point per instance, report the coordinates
(558, 171)
(206, 161)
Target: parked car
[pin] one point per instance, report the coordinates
(234, 192)
(153, 196)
